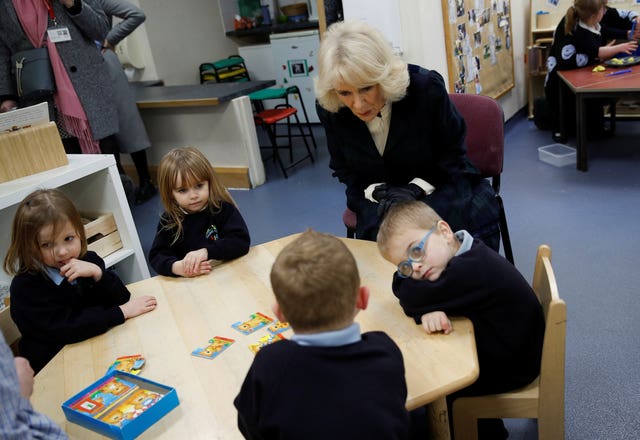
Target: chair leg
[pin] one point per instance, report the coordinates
(272, 136)
(465, 423)
(304, 139)
(504, 232)
(307, 123)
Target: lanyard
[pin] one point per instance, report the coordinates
(52, 14)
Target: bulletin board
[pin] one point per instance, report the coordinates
(479, 46)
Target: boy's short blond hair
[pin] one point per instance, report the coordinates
(405, 215)
(315, 281)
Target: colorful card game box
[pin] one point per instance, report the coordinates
(278, 327)
(217, 345)
(265, 340)
(120, 405)
(255, 322)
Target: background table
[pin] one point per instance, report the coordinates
(586, 84)
(215, 118)
(190, 311)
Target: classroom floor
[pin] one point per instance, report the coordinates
(590, 220)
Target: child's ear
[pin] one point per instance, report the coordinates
(278, 312)
(445, 230)
(362, 300)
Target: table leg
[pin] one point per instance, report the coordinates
(438, 420)
(561, 106)
(581, 134)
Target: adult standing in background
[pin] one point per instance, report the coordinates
(393, 135)
(81, 105)
(132, 136)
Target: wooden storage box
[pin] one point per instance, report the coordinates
(102, 233)
(30, 150)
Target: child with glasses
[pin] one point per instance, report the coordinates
(442, 273)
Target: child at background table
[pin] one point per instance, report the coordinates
(442, 273)
(578, 41)
(328, 381)
(61, 293)
(619, 23)
(201, 221)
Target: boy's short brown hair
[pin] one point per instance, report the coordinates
(404, 215)
(315, 280)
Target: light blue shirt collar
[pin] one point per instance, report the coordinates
(466, 240)
(333, 338)
(54, 274)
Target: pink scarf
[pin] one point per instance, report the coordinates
(33, 16)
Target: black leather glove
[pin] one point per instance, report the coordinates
(397, 194)
(380, 192)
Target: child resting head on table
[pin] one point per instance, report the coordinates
(442, 273)
(201, 221)
(328, 380)
(61, 293)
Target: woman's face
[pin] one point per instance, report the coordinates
(365, 102)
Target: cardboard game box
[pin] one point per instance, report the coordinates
(120, 405)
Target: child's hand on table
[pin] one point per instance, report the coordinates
(184, 269)
(138, 306)
(436, 322)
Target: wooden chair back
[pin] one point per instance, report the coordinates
(9, 330)
(551, 384)
(542, 399)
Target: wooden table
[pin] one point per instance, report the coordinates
(190, 311)
(216, 118)
(586, 84)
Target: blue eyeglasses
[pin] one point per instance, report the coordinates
(416, 253)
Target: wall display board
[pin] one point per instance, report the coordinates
(479, 46)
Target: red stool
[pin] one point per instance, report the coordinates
(269, 119)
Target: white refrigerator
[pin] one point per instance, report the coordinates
(295, 58)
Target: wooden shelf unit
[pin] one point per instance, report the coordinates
(93, 182)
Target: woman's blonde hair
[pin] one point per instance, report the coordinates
(355, 53)
(192, 167)
(41, 208)
(581, 9)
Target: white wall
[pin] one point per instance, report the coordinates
(184, 34)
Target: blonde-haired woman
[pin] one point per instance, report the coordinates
(394, 135)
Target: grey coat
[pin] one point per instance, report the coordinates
(132, 136)
(80, 56)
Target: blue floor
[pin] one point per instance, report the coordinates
(590, 220)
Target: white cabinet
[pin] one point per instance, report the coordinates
(93, 183)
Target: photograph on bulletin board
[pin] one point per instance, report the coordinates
(479, 46)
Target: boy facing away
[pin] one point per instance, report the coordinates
(442, 273)
(329, 380)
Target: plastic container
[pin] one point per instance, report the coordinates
(558, 155)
